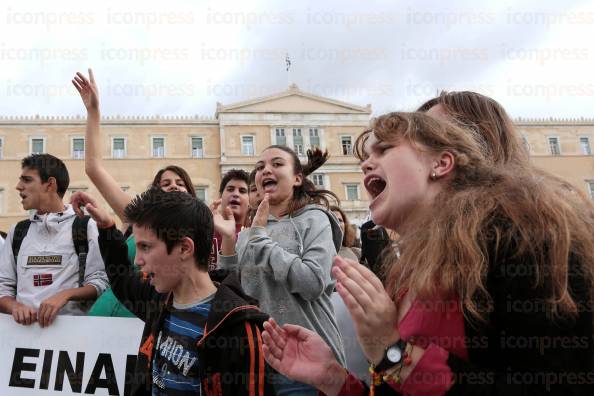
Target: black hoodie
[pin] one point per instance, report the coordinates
(230, 352)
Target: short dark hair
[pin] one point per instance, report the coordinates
(49, 166)
(178, 171)
(234, 174)
(173, 216)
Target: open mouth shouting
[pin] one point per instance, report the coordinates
(234, 202)
(375, 186)
(268, 184)
(148, 276)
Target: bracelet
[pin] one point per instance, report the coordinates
(393, 373)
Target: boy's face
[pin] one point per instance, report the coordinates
(235, 196)
(31, 189)
(165, 270)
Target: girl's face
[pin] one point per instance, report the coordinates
(170, 181)
(275, 176)
(254, 196)
(397, 179)
(340, 220)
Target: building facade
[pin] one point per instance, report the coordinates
(135, 148)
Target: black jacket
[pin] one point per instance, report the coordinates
(230, 352)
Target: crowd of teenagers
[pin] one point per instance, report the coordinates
(474, 276)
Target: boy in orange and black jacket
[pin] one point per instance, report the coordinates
(200, 337)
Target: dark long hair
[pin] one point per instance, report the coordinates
(348, 239)
(181, 173)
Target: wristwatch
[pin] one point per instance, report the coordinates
(392, 356)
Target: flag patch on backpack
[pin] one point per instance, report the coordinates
(42, 279)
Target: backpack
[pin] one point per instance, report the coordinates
(79, 237)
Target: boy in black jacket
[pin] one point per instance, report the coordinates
(199, 337)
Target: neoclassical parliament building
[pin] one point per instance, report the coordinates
(135, 148)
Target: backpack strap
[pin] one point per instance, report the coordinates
(81, 245)
(20, 231)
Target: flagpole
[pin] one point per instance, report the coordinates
(288, 64)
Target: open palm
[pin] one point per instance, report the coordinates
(298, 353)
(87, 89)
(224, 222)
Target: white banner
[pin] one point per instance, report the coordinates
(75, 355)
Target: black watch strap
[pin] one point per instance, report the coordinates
(386, 363)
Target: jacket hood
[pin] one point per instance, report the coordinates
(334, 225)
(54, 217)
(231, 305)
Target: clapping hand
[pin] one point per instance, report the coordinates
(371, 308)
(303, 356)
(224, 221)
(261, 216)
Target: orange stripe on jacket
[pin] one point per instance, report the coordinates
(261, 364)
(252, 359)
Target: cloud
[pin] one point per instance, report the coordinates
(181, 57)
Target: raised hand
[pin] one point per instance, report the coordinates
(224, 221)
(87, 89)
(81, 199)
(372, 310)
(303, 356)
(261, 216)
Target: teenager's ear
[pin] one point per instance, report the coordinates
(444, 164)
(186, 246)
(52, 184)
(298, 179)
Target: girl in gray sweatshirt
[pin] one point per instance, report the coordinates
(284, 259)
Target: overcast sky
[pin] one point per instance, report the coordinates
(181, 57)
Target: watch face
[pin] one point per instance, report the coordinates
(394, 354)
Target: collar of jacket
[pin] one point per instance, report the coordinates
(229, 306)
(54, 217)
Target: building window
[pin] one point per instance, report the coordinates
(314, 137)
(352, 191)
(585, 145)
(118, 147)
(197, 147)
(1, 147)
(554, 145)
(201, 193)
(318, 180)
(247, 145)
(347, 145)
(78, 148)
(297, 141)
(37, 145)
(281, 138)
(158, 147)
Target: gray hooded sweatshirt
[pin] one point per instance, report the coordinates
(286, 266)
